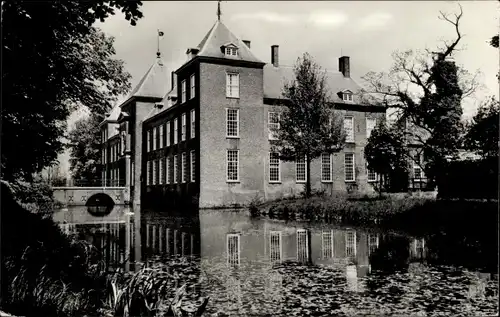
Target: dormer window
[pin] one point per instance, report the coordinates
(230, 50)
(346, 96)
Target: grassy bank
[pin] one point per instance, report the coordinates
(416, 215)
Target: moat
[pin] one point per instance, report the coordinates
(267, 267)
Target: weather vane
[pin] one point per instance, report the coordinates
(218, 10)
(160, 34)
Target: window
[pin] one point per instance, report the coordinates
(372, 243)
(349, 167)
(327, 244)
(192, 85)
(176, 130)
(347, 96)
(155, 138)
(417, 172)
(326, 167)
(232, 123)
(350, 244)
(300, 169)
(233, 249)
(231, 51)
(273, 124)
(274, 168)
(232, 166)
(162, 132)
(167, 171)
(148, 141)
(193, 123)
(162, 170)
(193, 165)
(302, 245)
(155, 172)
(175, 169)
(349, 129)
(275, 247)
(148, 173)
(370, 125)
(168, 133)
(184, 167)
(183, 87)
(232, 85)
(372, 176)
(183, 128)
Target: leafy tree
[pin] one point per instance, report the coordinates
(482, 131)
(425, 89)
(308, 125)
(54, 61)
(85, 147)
(494, 41)
(385, 154)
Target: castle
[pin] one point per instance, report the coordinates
(201, 133)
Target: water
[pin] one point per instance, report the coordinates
(267, 267)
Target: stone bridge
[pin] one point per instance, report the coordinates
(79, 196)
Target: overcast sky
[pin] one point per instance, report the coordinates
(367, 31)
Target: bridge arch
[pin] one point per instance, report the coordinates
(100, 203)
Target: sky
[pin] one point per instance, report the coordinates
(367, 31)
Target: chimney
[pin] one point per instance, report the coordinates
(172, 80)
(275, 55)
(344, 66)
(247, 43)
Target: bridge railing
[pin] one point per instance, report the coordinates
(97, 183)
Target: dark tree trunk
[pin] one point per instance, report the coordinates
(308, 176)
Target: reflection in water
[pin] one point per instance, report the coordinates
(256, 266)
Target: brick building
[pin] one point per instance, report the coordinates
(201, 133)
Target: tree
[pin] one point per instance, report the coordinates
(308, 125)
(482, 131)
(54, 61)
(385, 154)
(426, 90)
(85, 147)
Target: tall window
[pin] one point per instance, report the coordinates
(168, 133)
(327, 244)
(232, 85)
(183, 128)
(232, 123)
(162, 170)
(349, 167)
(193, 165)
(273, 125)
(148, 141)
(349, 129)
(175, 169)
(155, 172)
(372, 243)
(372, 176)
(232, 166)
(417, 170)
(275, 246)
(184, 167)
(183, 87)
(192, 85)
(370, 125)
(193, 123)
(300, 169)
(233, 249)
(154, 138)
(302, 245)
(326, 167)
(148, 173)
(176, 130)
(350, 244)
(274, 168)
(162, 132)
(167, 171)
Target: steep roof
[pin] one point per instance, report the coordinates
(276, 77)
(154, 83)
(219, 35)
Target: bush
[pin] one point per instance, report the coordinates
(36, 196)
